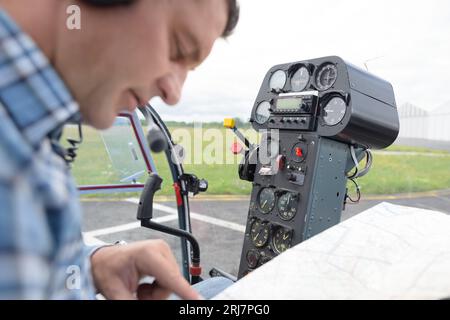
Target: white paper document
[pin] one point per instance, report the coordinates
(386, 252)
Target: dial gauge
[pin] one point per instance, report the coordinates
(262, 112)
(252, 258)
(266, 200)
(259, 233)
(334, 111)
(300, 79)
(287, 206)
(277, 80)
(326, 77)
(281, 239)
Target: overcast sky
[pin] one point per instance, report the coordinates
(409, 39)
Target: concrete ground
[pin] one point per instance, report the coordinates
(217, 223)
(424, 143)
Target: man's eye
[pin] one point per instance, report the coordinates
(178, 53)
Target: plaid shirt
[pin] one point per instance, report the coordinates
(42, 255)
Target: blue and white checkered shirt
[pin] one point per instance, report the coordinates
(42, 255)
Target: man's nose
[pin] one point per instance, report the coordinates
(171, 86)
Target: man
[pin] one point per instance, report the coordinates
(123, 55)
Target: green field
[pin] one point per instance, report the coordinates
(391, 173)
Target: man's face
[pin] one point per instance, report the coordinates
(124, 56)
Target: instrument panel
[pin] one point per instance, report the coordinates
(308, 114)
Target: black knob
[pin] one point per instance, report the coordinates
(202, 185)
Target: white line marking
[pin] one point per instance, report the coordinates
(197, 216)
(90, 236)
(92, 241)
(218, 222)
(119, 228)
(126, 227)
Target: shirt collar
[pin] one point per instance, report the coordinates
(31, 91)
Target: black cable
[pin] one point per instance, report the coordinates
(358, 193)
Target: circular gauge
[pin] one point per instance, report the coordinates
(300, 79)
(252, 258)
(287, 206)
(262, 112)
(259, 233)
(326, 77)
(266, 200)
(281, 240)
(334, 111)
(277, 80)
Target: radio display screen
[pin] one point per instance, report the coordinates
(293, 104)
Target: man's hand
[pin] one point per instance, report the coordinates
(118, 269)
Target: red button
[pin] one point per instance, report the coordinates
(299, 152)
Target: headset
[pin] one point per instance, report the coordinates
(109, 3)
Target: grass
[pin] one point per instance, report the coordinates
(400, 174)
(390, 173)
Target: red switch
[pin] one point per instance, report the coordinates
(236, 148)
(299, 152)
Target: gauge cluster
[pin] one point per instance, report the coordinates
(308, 113)
(279, 202)
(268, 239)
(302, 96)
(269, 232)
(331, 97)
(300, 77)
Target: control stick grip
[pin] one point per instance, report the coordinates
(145, 208)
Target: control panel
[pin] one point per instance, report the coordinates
(316, 119)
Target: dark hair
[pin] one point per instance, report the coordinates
(233, 17)
(233, 11)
